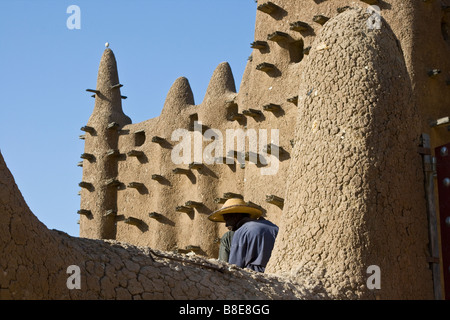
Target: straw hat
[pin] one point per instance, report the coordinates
(235, 205)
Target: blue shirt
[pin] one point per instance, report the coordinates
(252, 245)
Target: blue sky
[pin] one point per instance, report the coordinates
(46, 67)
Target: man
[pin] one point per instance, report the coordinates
(251, 237)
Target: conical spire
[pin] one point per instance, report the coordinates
(107, 111)
(108, 102)
(222, 82)
(107, 72)
(179, 96)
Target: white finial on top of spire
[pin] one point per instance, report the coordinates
(107, 44)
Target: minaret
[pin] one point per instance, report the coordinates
(99, 184)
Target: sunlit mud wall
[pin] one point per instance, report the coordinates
(348, 94)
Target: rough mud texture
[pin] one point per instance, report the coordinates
(356, 180)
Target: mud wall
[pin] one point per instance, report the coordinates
(35, 261)
(356, 197)
(350, 175)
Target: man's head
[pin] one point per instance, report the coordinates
(234, 220)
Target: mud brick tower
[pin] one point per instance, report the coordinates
(358, 97)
